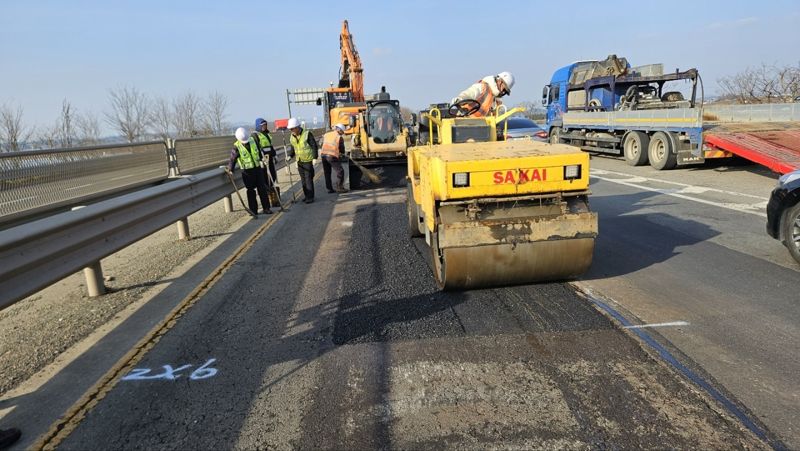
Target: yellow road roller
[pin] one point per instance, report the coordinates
(497, 212)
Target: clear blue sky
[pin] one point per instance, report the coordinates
(423, 51)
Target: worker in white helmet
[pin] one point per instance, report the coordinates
(485, 93)
(332, 151)
(305, 148)
(248, 155)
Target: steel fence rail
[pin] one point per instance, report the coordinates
(39, 253)
(762, 112)
(34, 181)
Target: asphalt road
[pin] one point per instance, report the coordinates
(690, 245)
(329, 332)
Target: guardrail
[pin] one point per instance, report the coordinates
(34, 183)
(762, 112)
(39, 253)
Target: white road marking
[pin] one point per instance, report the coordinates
(670, 324)
(78, 187)
(756, 208)
(689, 188)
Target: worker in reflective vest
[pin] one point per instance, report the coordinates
(247, 155)
(305, 148)
(486, 92)
(264, 140)
(332, 151)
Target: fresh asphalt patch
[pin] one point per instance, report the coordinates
(330, 333)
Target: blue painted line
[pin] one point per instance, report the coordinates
(702, 383)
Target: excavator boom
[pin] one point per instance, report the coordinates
(352, 75)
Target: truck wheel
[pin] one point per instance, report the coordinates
(660, 152)
(555, 135)
(635, 146)
(413, 216)
(790, 230)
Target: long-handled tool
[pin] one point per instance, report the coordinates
(286, 163)
(371, 175)
(272, 183)
(236, 190)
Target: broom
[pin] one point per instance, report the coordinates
(371, 175)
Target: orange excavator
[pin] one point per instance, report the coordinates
(347, 99)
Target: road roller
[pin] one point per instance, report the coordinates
(497, 212)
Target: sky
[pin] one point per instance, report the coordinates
(422, 51)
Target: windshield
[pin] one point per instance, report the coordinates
(384, 123)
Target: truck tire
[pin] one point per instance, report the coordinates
(555, 135)
(635, 148)
(413, 215)
(790, 230)
(661, 153)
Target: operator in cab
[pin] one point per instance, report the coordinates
(485, 92)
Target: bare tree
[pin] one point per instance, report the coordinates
(66, 125)
(187, 115)
(763, 84)
(129, 113)
(405, 114)
(14, 134)
(215, 105)
(161, 118)
(88, 126)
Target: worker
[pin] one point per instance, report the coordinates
(8, 437)
(332, 151)
(486, 91)
(264, 140)
(305, 148)
(247, 155)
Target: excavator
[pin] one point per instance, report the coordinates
(346, 100)
(497, 213)
(374, 124)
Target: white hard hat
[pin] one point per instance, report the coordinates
(508, 78)
(293, 123)
(340, 127)
(241, 135)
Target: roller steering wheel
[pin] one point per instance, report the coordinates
(464, 107)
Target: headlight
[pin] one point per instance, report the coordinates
(572, 171)
(461, 179)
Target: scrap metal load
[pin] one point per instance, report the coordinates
(498, 212)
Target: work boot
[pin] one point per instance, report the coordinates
(308, 201)
(267, 211)
(330, 191)
(8, 437)
(341, 190)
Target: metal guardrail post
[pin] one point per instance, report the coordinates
(93, 274)
(228, 202)
(95, 285)
(183, 229)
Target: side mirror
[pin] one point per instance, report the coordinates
(352, 121)
(545, 91)
(413, 119)
(319, 101)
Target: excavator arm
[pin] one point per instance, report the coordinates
(352, 75)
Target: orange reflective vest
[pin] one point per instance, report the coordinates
(330, 144)
(486, 99)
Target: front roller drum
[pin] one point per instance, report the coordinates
(510, 264)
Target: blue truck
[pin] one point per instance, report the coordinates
(639, 113)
